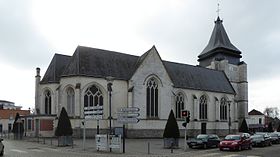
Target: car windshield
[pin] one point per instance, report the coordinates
(201, 136)
(257, 137)
(232, 137)
(273, 135)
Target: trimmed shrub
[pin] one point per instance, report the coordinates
(171, 128)
(64, 127)
(244, 126)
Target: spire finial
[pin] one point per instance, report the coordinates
(218, 8)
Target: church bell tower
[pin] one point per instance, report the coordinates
(221, 54)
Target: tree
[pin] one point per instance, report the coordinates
(171, 128)
(64, 127)
(244, 126)
(270, 128)
(271, 112)
(18, 128)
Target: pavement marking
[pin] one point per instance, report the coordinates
(19, 151)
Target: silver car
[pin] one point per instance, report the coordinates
(1, 147)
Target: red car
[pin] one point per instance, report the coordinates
(236, 142)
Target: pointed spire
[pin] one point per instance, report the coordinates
(219, 43)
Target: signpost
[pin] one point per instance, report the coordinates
(94, 112)
(127, 115)
(185, 114)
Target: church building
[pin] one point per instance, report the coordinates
(215, 91)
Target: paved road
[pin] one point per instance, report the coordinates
(134, 147)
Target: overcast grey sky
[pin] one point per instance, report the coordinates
(32, 31)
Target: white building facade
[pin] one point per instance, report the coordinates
(213, 93)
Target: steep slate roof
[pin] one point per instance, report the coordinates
(100, 63)
(55, 69)
(198, 78)
(219, 40)
(94, 62)
(255, 112)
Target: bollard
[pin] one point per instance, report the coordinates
(38, 139)
(72, 143)
(172, 147)
(51, 140)
(44, 141)
(148, 147)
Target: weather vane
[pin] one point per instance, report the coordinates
(218, 8)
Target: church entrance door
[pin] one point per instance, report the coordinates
(203, 128)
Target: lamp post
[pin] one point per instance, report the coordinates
(109, 88)
(229, 118)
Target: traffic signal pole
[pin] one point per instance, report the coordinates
(185, 134)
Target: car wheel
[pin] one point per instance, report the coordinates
(239, 148)
(270, 143)
(190, 146)
(204, 146)
(250, 146)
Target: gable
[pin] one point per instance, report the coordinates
(149, 64)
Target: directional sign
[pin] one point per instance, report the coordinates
(129, 109)
(128, 120)
(96, 117)
(128, 115)
(94, 108)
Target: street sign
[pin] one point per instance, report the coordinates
(93, 112)
(129, 109)
(94, 108)
(96, 117)
(128, 115)
(127, 120)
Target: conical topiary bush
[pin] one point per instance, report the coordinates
(64, 129)
(244, 126)
(171, 133)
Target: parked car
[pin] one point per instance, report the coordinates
(236, 142)
(275, 139)
(261, 140)
(204, 141)
(266, 135)
(1, 147)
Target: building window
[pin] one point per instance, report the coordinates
(70, 101)
(223, 109)
(203, 107)
(179, 104)
(152, 98)
(1, 128)
(260, 120)
(48, 102)
(29, 124)
(93, 97)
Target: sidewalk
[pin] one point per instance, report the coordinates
(134, 147)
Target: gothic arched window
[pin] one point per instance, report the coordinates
(203, 107)
(48, 102)
(93, 97)
(179, 104)
(223, 109)
(152, 98)
(70, 101)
